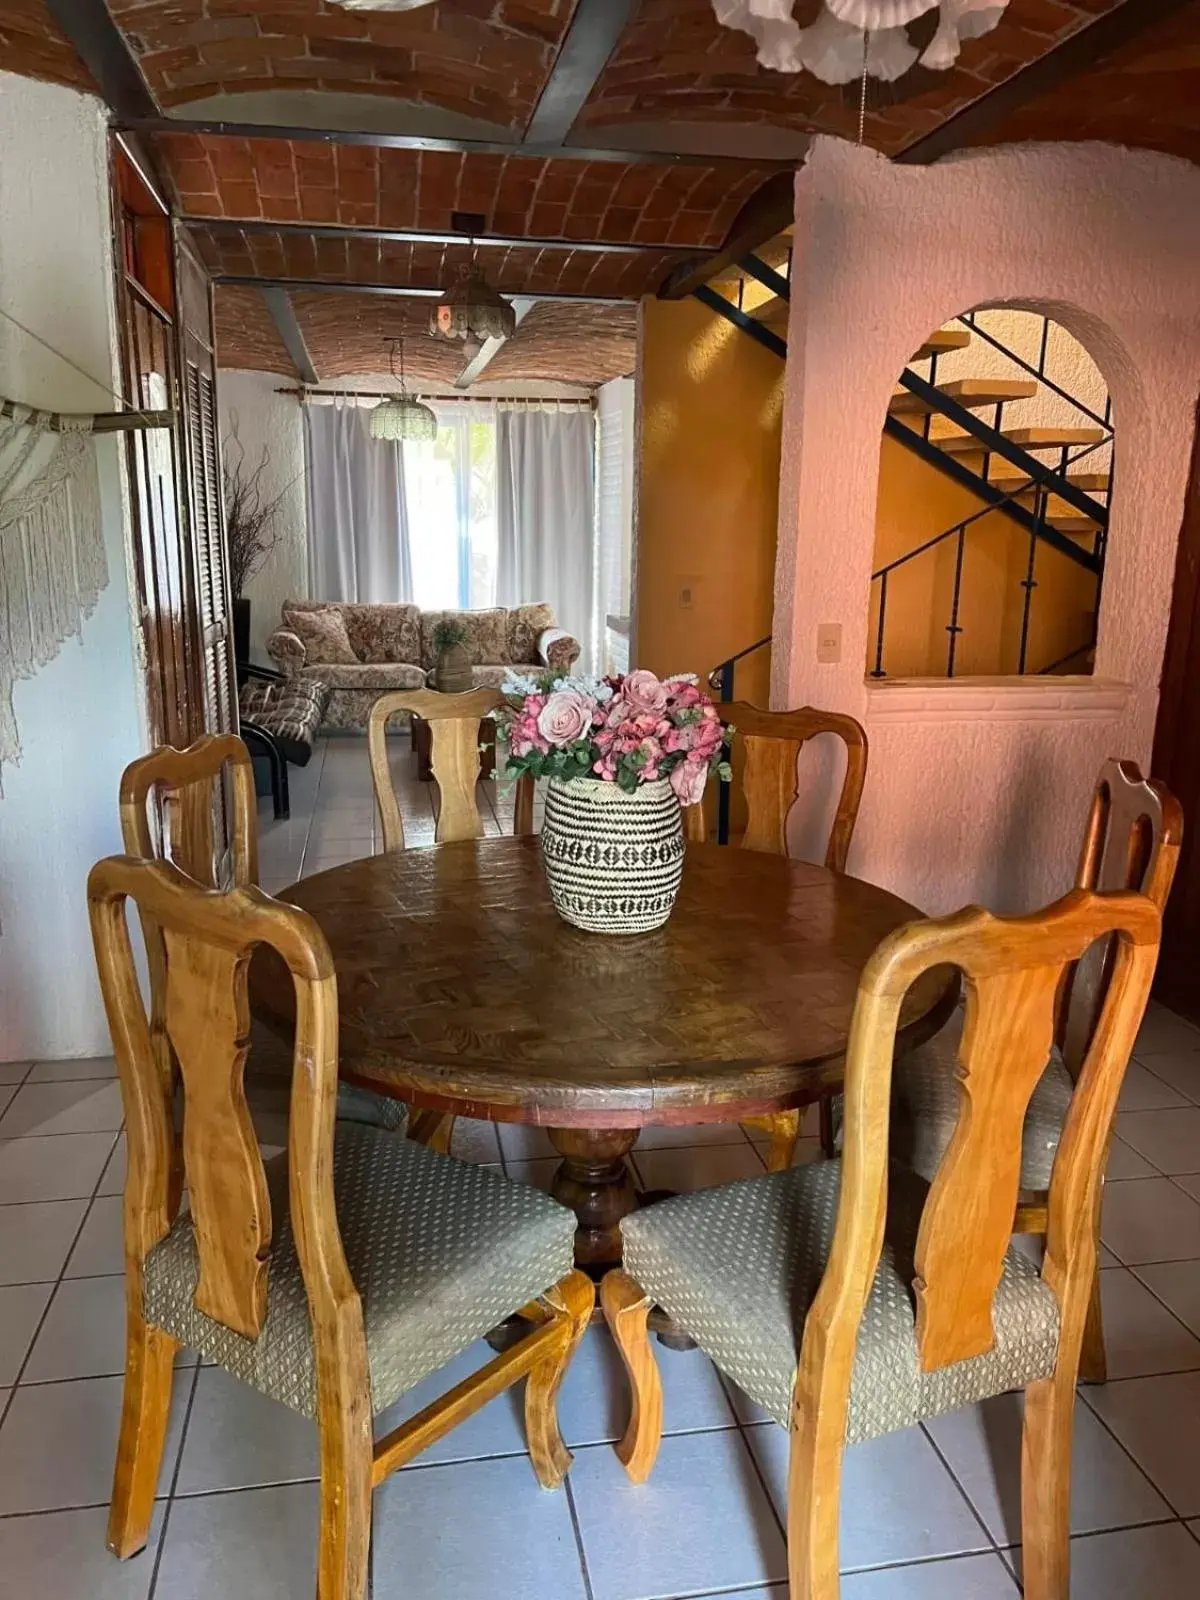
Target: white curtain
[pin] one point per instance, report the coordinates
(358, 546)
(545, 510)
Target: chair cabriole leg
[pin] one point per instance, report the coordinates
(814, 1506)
(572, 1301)
(1046, 1486)
(1093, 1360)
(146, 1407)
(347, 1453)
(627, 1310)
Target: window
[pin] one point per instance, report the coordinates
(450, 495)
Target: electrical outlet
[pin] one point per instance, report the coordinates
(685, 595)
(829, 643)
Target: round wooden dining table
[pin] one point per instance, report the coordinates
(460, 989)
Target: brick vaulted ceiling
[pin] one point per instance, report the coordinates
(709, 134)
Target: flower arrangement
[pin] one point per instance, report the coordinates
(628, 730)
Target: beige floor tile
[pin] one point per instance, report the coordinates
(1158, 1422)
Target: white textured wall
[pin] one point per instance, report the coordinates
(983, 798)
(81, 716)
(264, 420)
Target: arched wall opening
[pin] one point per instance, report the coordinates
(989, 546)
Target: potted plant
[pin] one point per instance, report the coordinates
(452, 674)
(621, 756)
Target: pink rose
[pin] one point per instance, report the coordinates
(566, 717)
(688, 780)
(644, 694)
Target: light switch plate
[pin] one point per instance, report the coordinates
(829, 643)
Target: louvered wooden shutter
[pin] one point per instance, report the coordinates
(205, 495)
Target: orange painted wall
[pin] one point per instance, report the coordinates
(916, 502)
(710, 404)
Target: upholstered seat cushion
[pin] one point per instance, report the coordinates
(738, 1267)
(290, 712)
(440, 1252)
(380, 676)
(926, 1101)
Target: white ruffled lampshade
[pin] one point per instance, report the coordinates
(833, 51)
(832, 48)
(959, 20)
(872, 16)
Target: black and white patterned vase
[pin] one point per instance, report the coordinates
(613, 860)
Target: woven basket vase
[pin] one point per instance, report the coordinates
(613, 860)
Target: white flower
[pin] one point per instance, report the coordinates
(582, 683)
(519, 684)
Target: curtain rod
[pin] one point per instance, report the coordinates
(441, 399)
(101, 422)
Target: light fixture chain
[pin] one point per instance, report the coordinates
(862, 97)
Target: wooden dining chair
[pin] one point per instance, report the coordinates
(850, 1300)
(1132, 841)
(454, 742)
(337, 1275)
(170, 803)
(771, 744)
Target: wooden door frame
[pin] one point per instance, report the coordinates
(1176, 758)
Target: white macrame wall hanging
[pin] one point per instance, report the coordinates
(52, 561)
(833, 48)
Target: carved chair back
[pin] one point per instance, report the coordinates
(1133, 838)
(771, 743)
(454, 746)
(1012, 972)
(169, 800)
(209, 937)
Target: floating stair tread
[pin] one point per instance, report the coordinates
(1085, 482)
(942, 342)
(959, 443)
(968, 392)
(1073, 522)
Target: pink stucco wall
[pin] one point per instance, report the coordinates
(978, 791)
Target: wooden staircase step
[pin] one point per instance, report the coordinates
(1086, 482)
(1073, 522)
(958, 443)
(941, 343)
(972, 392)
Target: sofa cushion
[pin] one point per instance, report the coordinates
(375, 675)
(525, 626)
(322, 632)
(485, 643)
(385, 633)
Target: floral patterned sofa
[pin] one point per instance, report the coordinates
(362, 650)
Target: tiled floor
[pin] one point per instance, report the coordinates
(932, 1514)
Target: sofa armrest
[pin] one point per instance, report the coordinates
(286, 649)
(558, 649)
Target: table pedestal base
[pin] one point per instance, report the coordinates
(594, 1180)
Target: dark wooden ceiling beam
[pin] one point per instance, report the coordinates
(491, 241)
(1113, 31)
(398, 291)
(283, 315)
(763, 216)
(591, 37)
(418, 141)
(101, 47)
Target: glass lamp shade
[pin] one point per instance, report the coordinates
(471, 309)
(402, 418)
(381, 5)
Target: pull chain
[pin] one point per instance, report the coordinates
(862, 99)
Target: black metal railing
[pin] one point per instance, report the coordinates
(1037, 533)
(1040, 479)
(720, 681)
